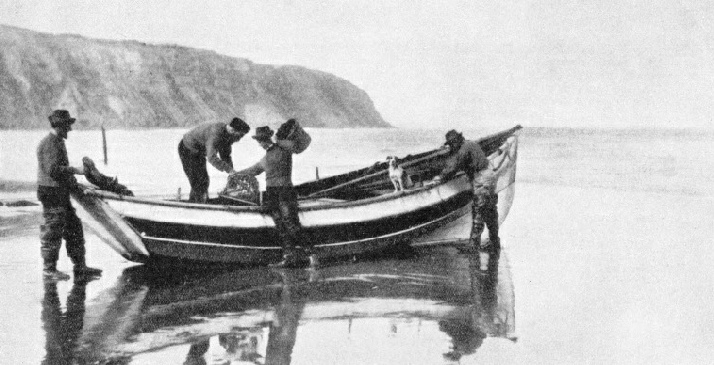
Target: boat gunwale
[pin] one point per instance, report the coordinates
(258, 209)
(320, 206)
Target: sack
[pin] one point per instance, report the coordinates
(293, 131)
(244, 188)
(301, 138)
(103, 182)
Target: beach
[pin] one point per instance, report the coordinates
(608, 253)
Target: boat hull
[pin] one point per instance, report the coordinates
(260, 245)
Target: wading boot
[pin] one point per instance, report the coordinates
(292, 259)
(289, 261)
(54, 275)
(49, 269)
(84, 270)
(314, 261)
(492, 244)
(50, 272)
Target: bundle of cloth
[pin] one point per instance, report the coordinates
(103, 182)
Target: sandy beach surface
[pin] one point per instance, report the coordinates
(600, 276)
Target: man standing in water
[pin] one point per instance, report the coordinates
(280, 199)
(212, 142)
(55, 180)
(469, 157)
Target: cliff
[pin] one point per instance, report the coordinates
(128, 84)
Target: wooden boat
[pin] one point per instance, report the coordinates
(437, 289)
(349, 214)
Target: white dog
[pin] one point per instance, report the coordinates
(396, 174)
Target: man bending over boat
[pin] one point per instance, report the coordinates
(210, 142)
(280, 199)
(55, 181)
(469, 157)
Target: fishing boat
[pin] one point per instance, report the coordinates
(355, 213)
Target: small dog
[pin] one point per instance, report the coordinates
(396, 174)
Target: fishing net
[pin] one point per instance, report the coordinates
(242, 188)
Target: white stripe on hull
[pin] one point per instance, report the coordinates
(337, 214)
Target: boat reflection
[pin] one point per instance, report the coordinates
(435, 306)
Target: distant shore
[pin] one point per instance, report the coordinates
(16, 186)
(17, 193)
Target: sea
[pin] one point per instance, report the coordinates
(607, 258)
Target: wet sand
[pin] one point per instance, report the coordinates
(599, 276)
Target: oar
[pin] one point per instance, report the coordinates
(321, 193)
(438, 152)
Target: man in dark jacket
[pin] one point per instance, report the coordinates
(55, 180)
(468, 156)
(280, 199)
(210, 142)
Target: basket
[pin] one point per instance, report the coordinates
(242, 188)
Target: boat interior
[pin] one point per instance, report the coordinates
(373, 181)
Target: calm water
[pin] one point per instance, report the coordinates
(607, 259)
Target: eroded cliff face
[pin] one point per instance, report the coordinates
(130, 84)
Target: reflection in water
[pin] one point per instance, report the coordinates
(467, 336)
(438, 299)
(62, 329)
(196, 353)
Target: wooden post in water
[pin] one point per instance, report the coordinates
(317, 173)
(104, 144)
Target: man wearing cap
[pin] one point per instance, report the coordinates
(55, 180)
(280, 199)
(468, 156)
(213, 142)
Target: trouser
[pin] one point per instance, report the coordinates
(281, 204)
(484, 213)
(61, 222)
(194, 166)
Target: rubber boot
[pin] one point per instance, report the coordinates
(292, 258)
(313, 261)
(50, 272)
(86, 270)
(81, 269)
(287, 262)
(49, 258)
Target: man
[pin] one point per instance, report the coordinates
(469, 157)
(55, 180)
(212, 142)
(280, 199)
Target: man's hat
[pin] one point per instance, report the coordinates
(263, 134)
(60, 118)
(453, 136)
(239, 125)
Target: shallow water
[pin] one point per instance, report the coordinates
(607, 259)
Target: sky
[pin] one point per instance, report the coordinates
(462, 64)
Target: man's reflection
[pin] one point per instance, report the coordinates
(243, 345)
(283, 328)
(196, 353)
(63, 329)
(468, 335)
